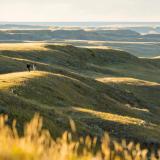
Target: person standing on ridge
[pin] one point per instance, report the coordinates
(29, 67)
(34, 67)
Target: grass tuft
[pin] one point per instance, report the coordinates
(37, 144)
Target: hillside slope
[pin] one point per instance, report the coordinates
(101, 90)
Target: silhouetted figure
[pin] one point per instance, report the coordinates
(34, 67)
(29, 67)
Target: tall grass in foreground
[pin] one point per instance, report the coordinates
(37, 144)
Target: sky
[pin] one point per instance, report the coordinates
(79, 10)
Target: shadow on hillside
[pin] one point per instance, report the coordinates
(87, 62)
(56, 119)
(147, 93)
(97, 126)
(65, 91)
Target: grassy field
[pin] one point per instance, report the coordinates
(101, 90)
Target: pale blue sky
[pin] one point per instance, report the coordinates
(79, 10)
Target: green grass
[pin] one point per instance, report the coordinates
(70, 83)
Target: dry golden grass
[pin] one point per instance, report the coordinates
(10, 80)
(13, 79)
(97, 47)
(157, 57)
(37, 144)
(126, 80)
(23, 47)
(112, 117)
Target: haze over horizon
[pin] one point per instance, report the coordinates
(78, 11)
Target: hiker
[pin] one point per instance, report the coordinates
(29, 67)
(34, 67)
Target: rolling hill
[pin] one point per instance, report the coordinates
(101, 90)
(126, 39)
(76, 34)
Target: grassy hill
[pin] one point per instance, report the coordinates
(44, 33)
(101, 90)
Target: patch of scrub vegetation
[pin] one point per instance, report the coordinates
(101, 90)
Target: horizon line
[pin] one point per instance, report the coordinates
(79, 21)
